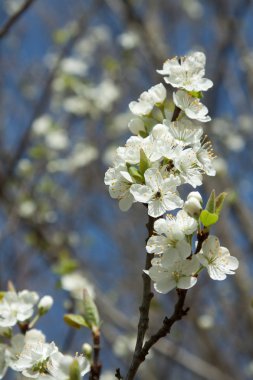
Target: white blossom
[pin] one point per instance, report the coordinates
(184, 133)
(17, 307)
(59, 365)
(192, 107)
(179, 274)
(75, 283)
(120, 182)
(148, 99)
(187, 224)
(205, 158)
(34, 358)
(187, 72)
(57, 139)
(18, 342)
(217, 259)
(160, 194)
(169, 231)
(188, 166)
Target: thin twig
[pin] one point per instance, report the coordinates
(144, 308)
(14, 18)
(96, 366)
(118, 374)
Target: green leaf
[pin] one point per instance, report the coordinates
(208, 218)
(90, 314)
(74, 371)
(135, 174)
(144, 162)
(75, 320)
(219, 202)
(210, 206)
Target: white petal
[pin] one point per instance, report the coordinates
(141, 193)
(156, 208)
(215, 273)
(126, 203)
(172, 201)
(165, 285)
(186, 282)
(153, 179)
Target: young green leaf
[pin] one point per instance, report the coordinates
(135, 174)
(90, 314)
(219, 202)
(144, 162)
(208, 218)
(210, 206)
(75, 320)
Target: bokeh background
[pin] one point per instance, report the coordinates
(68, 71)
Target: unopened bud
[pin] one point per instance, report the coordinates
(193, 207)
(195, 194)
(87, 350)
(45, 304)
(136, 125)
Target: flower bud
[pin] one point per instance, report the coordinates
(136, 125)
(195, 194)
(45, 304)
(87, 350)
(193, 207)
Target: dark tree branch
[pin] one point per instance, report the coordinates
(96, 366)
(14, 18)
(179, 312)
(144, 308)
(118, 374)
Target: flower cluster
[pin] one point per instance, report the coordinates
(167, 150)
(29, 353)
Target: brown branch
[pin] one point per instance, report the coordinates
(118, 374)
(144, 308)
(96, 366)
(14, 18)
(178, 314)
(176, 113)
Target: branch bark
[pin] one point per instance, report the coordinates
(15, 17)
(144, 308)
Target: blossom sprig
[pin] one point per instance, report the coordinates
(28, 352)
(169, 150)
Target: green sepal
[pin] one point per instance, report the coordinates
(219, 202)
(144, 162)
(143, 134)
(75, 320)
(211, 205)
(74, 371)
(208, 218)
(135, 174)
(196, 94)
